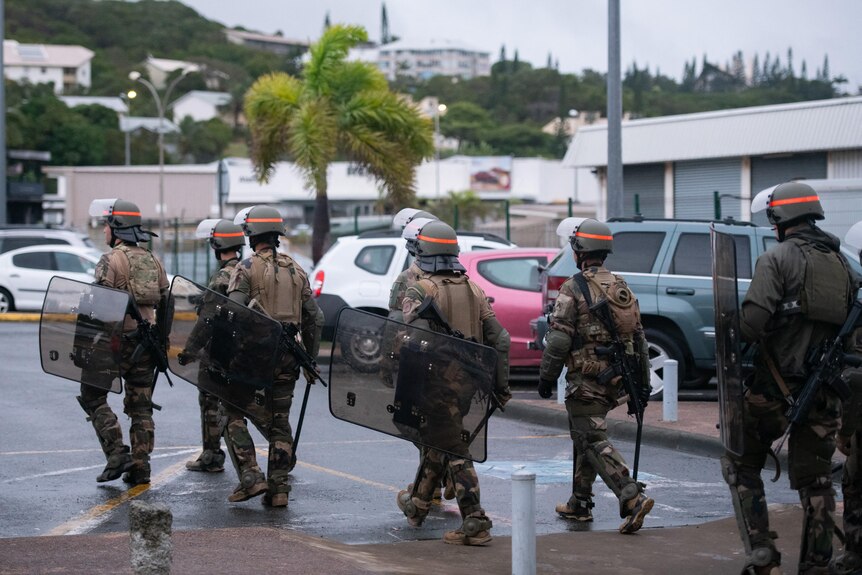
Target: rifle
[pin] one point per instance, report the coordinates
(621, 366)
(150, 338)
(828, 361)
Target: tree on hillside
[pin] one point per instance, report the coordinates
(337, 109)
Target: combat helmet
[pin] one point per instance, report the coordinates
(260, 220)
(410, 232)
(788, 203)
(586, 235)
(437, 247)
(123, 217)
(222, 234)
(407, 215)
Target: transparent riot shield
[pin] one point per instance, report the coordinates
(224, 348)
(728, 352)
(432, 389)
(80, 332)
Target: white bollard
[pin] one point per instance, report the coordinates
(670, 395)
(561, 386)
(523, 523)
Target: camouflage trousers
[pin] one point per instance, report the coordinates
(211, 423)
(273, 421)
(433, 469)
(596, 456)
(851, 488)
(137, 404)
(810, 449)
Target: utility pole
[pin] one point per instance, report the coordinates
(3, 185)
(615, 107)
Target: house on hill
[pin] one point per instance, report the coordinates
(67, 67)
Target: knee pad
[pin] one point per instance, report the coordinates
(630, 491)
(412, 507)
(457, 465)
(90, 406)
(138, 404)
(250, 477)
(761, 557)
(475, 524)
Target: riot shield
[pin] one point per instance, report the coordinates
(80, 332)
(224, 348)
(728, 352)
(433, 390)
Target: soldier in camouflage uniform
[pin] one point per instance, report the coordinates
(574, 335)
(849, 443)
(136, 270)
(799, 296)
(280, 289)
(227, 240)
(407, 220)
(465, 305)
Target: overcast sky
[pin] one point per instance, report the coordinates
(663, 34)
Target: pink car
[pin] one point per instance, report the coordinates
(511, 279)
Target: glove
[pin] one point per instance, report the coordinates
(842, 442)
(546, 388)
(311, 376)
(644, 395)
(186, 357)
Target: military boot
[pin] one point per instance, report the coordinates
(476, 530)
(577, 508)
(636, 511)
(848, 563)
(117, 463)
(138, 474)
(277, 498)
(252, 484)
(210, 461)
(763, 560)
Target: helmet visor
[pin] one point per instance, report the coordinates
(102, 208)
(413, 227)
(568, 227)
(206, 228)
(854, 236)
(241, 217)
(401, 218)
(761, 200)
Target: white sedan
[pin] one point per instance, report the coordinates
(25, 273)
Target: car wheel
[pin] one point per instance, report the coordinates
(6, 302)
(361, 349)
(662, 348)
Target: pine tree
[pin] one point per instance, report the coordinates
(755, 71)
(385, 38)
(804, 72)
(326, 22)
(503, 53)
(826, 75)
(790, 72)
(549, 65)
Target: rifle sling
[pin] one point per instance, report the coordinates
(785, 391)
(585, 289)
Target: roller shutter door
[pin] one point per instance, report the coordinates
(647, 182)
(695, 182)
(767, 172)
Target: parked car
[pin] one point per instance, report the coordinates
(510, 279)
(358, 272)
(13, 237)
(668, 265)
(26, 272)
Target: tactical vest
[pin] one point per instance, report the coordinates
(459, 300)
(602, 284)
(143, 275)
(277, 286)
(825, 293)
(221, 278)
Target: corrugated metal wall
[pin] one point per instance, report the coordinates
(695, 182)
(766, 172)
(647, 181)
(845, 164)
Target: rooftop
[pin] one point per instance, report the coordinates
(51, 55)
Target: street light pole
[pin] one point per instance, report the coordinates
(161, 104)
(441, 108)
(127, 97)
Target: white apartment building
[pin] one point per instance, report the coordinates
(200, 105)
(432, 58)
(67, 67)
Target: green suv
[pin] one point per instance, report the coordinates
(668, 265)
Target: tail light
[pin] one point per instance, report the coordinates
(552, 290)
(317, 285)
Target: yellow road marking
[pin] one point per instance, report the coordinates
(80, 523)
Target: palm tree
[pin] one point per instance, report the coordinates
(337, 109)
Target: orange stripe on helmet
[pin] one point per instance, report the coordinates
(594, 236)
(125, 214)
(227, 235)
(436, 240)
(787, 201)
(262, 220)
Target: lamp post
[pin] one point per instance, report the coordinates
(127, 97)
(161, 104)
(441, 109)
(573, 114)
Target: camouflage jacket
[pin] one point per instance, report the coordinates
(138, 271)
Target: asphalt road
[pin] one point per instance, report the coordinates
(344, 486)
